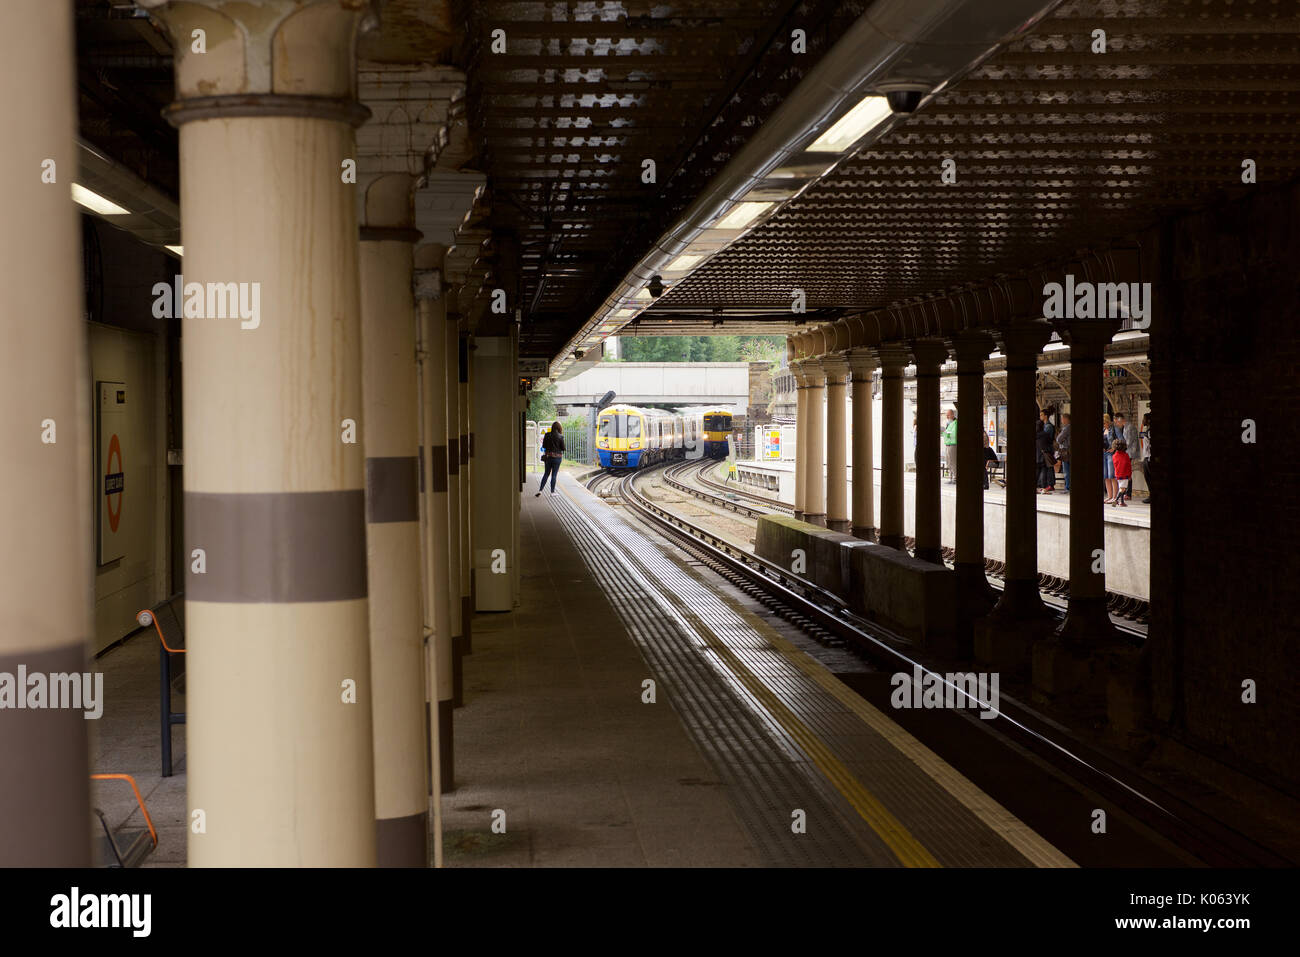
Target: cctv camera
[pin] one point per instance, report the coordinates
(656, 287)
(904, 101)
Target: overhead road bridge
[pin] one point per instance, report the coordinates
(667, 383)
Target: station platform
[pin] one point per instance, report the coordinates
(1127, 530)
(752, 752)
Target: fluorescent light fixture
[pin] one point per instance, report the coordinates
(853, 125)
(96, 203)
(623, 313)
(683, 262)
(178, 250)
(642, 293)
(741, 215)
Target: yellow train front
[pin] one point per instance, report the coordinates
(628, 437)
(717, 429)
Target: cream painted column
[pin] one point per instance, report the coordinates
(451, 334)
(1087, 623)
(1020, 600)
(837, 444)
(431, 298)
(800, 440)
(281, 757)
(815, 476)
(466, 493)
(929, 355)
(863, 363)
(46, 563)
(971, 349)
(517, 461)
(894, 359)
(496, 482)
(392, 442)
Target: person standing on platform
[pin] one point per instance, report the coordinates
(1044, 443)
(1146, 455)
(1063, 447)
(552, 454)
(950, 446)
(1129, 434)
(1123, 472)
(1108, 435)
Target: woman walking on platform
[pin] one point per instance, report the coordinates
(552, 453)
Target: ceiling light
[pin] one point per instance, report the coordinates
(853, 125)
(684, 262)
(178, 250)
(96, 203)
(623, 313)
(642, 294)
(741, 215)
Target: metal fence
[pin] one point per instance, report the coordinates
(575, 447)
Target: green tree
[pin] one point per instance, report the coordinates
(723, 348)
(541, 404)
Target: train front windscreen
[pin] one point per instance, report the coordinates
(619, 426)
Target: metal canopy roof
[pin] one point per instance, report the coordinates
(1056, 148)
(583, 93)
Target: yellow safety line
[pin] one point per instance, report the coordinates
(909, 851)
(1002, 822)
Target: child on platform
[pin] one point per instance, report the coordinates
(1123, 471)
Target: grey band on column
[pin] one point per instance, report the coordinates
(44, 759)
(395, 234)
(439, 467)
(277, 547)
(392, 489)
(343, 109)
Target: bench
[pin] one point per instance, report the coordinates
(171, 638)
(128, 847)
(997, 470)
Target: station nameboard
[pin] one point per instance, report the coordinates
(535, 366)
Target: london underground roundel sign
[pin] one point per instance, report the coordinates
(114, 480)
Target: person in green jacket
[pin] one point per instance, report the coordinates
(950, 446)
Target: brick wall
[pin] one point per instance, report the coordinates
(1225, 345)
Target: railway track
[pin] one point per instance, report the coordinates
(1055, 590)
(827, 619)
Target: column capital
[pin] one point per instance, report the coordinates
(1087, 338)
(412, 109)
(1024, 340)
(836, 368)
(265, 57)
(796, 369)
(972, 345)
(894, 356)
(814, 372)
(446, 202)
(929, 355)
(384, 208)
(863, 362)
